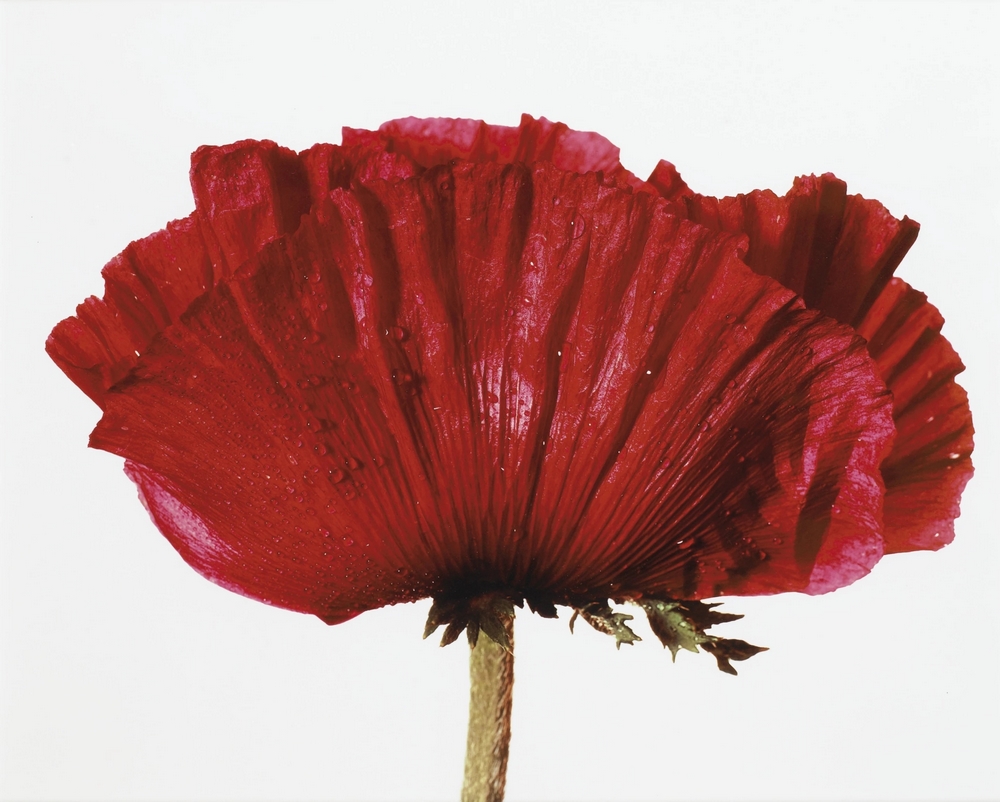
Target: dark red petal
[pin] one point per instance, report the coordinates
(434, 141)
(250, 193)
(836, 251)
(669, 185)
(533, 320)
(247, 194)
(839, 252)
(930, 461)
(489, 377)
(146, 287)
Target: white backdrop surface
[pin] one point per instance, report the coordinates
(125, 676)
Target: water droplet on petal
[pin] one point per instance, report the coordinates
(398, 333)
(337, 476)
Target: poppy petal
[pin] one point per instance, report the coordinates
(146, 287)
(246, 194)
(930, 462)
(487, 377)
(434, 141)
(838, 252)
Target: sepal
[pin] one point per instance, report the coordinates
(602, 618)
(682, 624)
(485, 614)
(726, 649)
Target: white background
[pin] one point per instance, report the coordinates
(125, 676)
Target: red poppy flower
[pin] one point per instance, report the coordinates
(476, 362)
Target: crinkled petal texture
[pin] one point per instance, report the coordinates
(839, 252)
(250, 193)
(475, 377)
(246, 195)
(430, 142)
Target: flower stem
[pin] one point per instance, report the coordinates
(491, 671)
